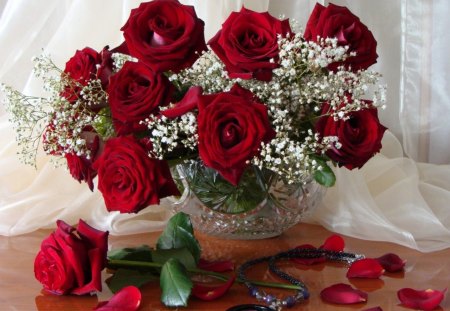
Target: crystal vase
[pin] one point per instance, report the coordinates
(261, 206)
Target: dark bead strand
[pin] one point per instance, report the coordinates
(302, 293)
(252, 290)
(272, 301)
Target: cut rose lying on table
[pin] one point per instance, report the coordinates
(71, 260)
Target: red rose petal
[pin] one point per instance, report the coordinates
(343, 294)
(420, 299)
(391, 262)
(188, 103)
(334, 243)
(208, 293)
(216, 266)
(365, 268)
(308, 261)
(373, 309)
(126, 299)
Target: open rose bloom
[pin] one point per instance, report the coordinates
(258, 98)
(70, 260)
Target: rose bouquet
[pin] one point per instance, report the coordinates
(264, 100)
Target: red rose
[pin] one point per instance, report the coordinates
(231, 127)
(135, 92)
(248, 42)
(70, 260)
(338, 22)
(106, 66)
(80, 167)
(84, 66)
(359, 136)
(165, 34)
(129, 179)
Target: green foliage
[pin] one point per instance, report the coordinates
(179, 234)
(103, 123)
(140, 253)
(127, 277)
(182, 254)
(175, 284)
(177, 251)
(219, 195)
(325, 176)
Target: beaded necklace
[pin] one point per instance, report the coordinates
(302, 292)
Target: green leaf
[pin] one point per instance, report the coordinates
(140, 253)
(103, 123)
(179, 234)
(218, 194)
(175, 284)
(182, 254)
(326, 176)
(125, 277)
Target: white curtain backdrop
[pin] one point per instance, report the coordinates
(401, 195)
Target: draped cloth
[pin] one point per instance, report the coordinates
(401, 195)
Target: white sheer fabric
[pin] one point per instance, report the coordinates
(393, 198)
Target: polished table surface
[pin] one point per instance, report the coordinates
(20, 291)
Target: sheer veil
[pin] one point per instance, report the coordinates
(401, 195)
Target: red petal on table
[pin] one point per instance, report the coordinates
(334, 243)
(216, 266)
(391, 262)
(343, 294)
(208, 293)
(365, 268)
(420, 299)
(126, 299)
(373, 309)
(308, 261)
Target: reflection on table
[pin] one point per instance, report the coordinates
(20, 291)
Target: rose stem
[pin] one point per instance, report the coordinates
(115, 263)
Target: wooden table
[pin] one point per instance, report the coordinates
(20, 291)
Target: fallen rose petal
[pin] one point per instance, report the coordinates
(308, 261)
(391, 262)
(216, 266)
(343, 294)
(420, 299)
(126, 299)
(208, 293)
(365, 268)
(334, 243)
(373, 309)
